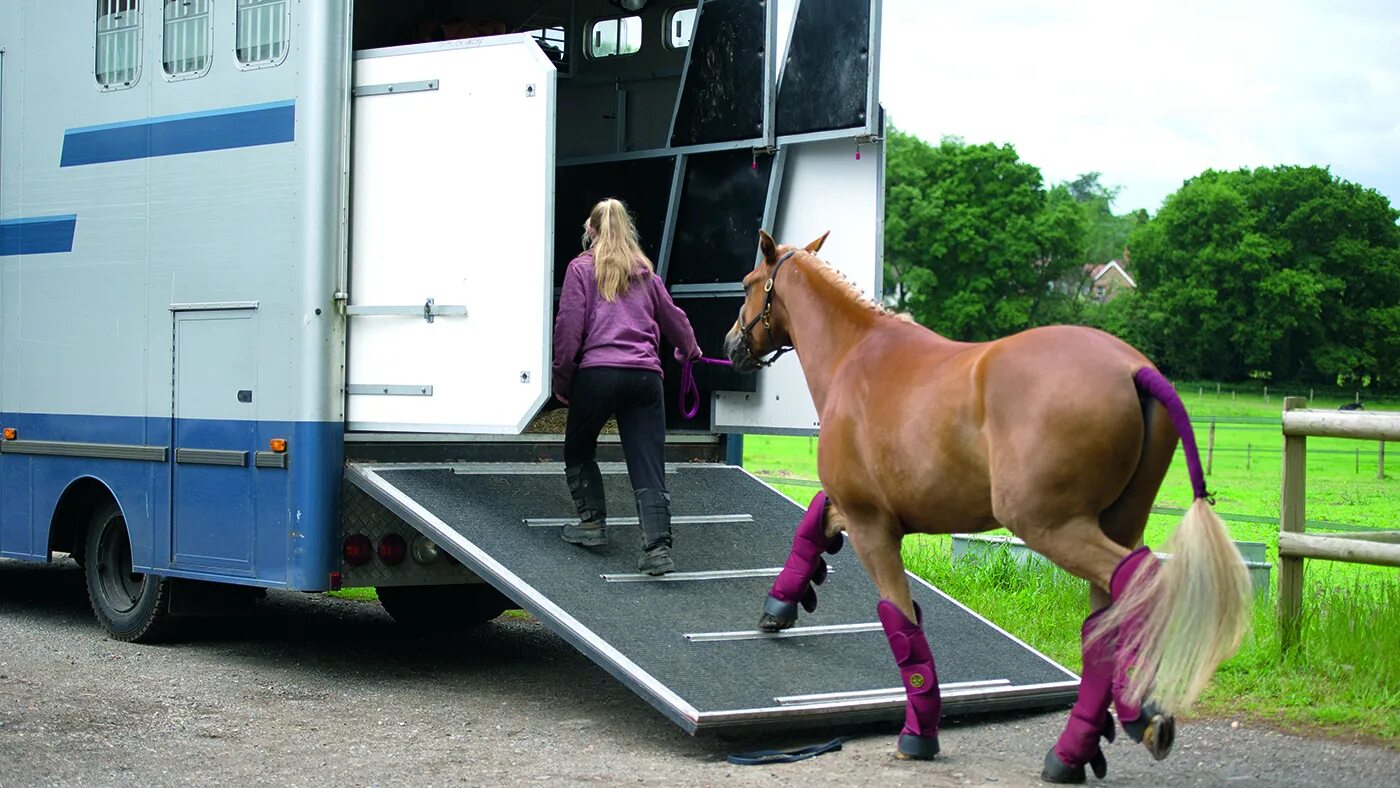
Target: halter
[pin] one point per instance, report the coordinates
(767, 310)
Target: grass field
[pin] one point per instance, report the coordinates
(1346, 676)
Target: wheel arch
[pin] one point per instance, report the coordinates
(73, 514)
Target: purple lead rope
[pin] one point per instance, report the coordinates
(691, 392)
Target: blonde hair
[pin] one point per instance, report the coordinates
(618, 259)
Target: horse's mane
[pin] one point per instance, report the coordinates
(848, 288)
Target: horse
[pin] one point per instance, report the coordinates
(1061, 434)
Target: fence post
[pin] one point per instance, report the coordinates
(1292, 516)
(1210, 448)
(1380, 462)
(1248, 455)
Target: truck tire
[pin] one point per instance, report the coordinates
(443, 608)
(132, 607)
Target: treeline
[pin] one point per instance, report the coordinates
(1283, 274)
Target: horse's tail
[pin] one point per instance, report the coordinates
(1196, 606)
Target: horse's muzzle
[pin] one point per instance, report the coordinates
(738, 353)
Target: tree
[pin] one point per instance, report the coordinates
(1287, 273)
(973, 240)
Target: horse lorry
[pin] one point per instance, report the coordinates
(277, 280)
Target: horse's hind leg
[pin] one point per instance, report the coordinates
(876, 541)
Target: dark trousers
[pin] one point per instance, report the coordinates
(635, 397)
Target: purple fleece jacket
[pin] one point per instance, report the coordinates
(592, 332)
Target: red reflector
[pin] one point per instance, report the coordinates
(335, 581)
(392, 549)
(357, 550)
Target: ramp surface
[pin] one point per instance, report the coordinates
(688, 642)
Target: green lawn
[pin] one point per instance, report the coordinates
(1346, 676)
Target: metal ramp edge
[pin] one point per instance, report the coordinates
(880, 705)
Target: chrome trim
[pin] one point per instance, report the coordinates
(802, 700)
(439, 46)
(270, 459)
(714, 574)
(795, 632)
(697, 519)
(228, 457)
(954, 701)
(573, 631)
(377, 389)
(775, 189)
(101, 451)
(653, 153)
(872, 72)
(214, 306)
(534, 469)
(390, 88)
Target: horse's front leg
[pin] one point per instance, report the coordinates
(819, 532)
(876, 540)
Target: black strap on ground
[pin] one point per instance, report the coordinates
(763, 757)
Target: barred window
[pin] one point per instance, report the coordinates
(262, 31)
(185, 38)
(118, 43)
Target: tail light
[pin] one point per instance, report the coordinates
(424, 550)
(392, 549)
(357, 550)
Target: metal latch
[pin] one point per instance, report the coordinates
(427, 311)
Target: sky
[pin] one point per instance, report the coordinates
(1151, 93)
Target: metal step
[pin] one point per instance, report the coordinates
(688, 642)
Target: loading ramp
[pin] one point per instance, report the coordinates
(688, 642)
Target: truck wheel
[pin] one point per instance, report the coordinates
(437, 608)
(132, 607)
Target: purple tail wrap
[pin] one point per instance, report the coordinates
(1152, 382)
(1089, 721)
(924, 704)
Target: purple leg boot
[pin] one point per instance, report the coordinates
(804, 570)
(919, 738)
(1089, 720)
(1144, 724)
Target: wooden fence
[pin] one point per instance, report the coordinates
(1375, 548)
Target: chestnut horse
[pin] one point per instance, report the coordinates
(1060, 434)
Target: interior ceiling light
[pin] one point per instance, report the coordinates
(630, 5)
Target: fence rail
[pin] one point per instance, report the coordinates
(1381, 549)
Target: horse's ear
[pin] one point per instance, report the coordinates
(767, 246)
(817, 244)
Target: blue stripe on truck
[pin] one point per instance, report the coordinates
(172, 135)
(37, 235)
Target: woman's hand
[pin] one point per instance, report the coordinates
(682, 356)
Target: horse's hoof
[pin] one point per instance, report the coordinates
(777, 615)
(912, 747)
(1160, 736)
(1155, 730)
(1056, 771)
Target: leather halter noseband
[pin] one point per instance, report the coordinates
(767, 310)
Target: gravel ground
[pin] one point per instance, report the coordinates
(313, 690)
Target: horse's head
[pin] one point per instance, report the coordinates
(762, 327)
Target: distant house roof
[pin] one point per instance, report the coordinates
(1096, 272)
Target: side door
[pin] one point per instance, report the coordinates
(452, 217)
(215, 438)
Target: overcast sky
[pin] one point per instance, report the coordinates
(1150, 92)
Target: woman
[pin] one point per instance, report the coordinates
(607, 361)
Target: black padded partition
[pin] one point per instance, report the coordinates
(720, 213)
(711, 317)
(826, 73)
(722, 95)
(644, 184)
